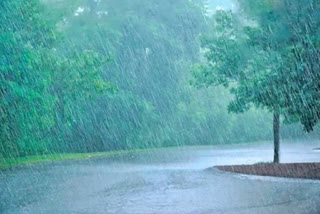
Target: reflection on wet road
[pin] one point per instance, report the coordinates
(176, 180)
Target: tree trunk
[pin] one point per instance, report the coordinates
(276, 137)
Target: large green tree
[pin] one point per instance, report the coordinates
(38, 84)
(25, 102)
(291, 29)
(267, 56)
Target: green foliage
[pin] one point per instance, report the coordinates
(88, 76)
(269, 56)
(291, 29)
(31, 73)
(25, 102)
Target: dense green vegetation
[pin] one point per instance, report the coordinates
(268, 55)
(91, 76)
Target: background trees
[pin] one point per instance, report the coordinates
(39, 86)
(85, 75)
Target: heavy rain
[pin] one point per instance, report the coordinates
(160, 106)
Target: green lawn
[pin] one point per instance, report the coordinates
(6, 163)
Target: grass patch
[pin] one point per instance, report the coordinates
(7, 163)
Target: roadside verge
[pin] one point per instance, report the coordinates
(287, 170)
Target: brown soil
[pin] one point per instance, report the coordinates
(288, 170)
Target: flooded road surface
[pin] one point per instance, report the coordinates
(176, 180)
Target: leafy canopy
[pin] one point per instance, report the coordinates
(268, 56)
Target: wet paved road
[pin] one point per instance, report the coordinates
(162, 181)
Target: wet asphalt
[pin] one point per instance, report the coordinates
(176, 180)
